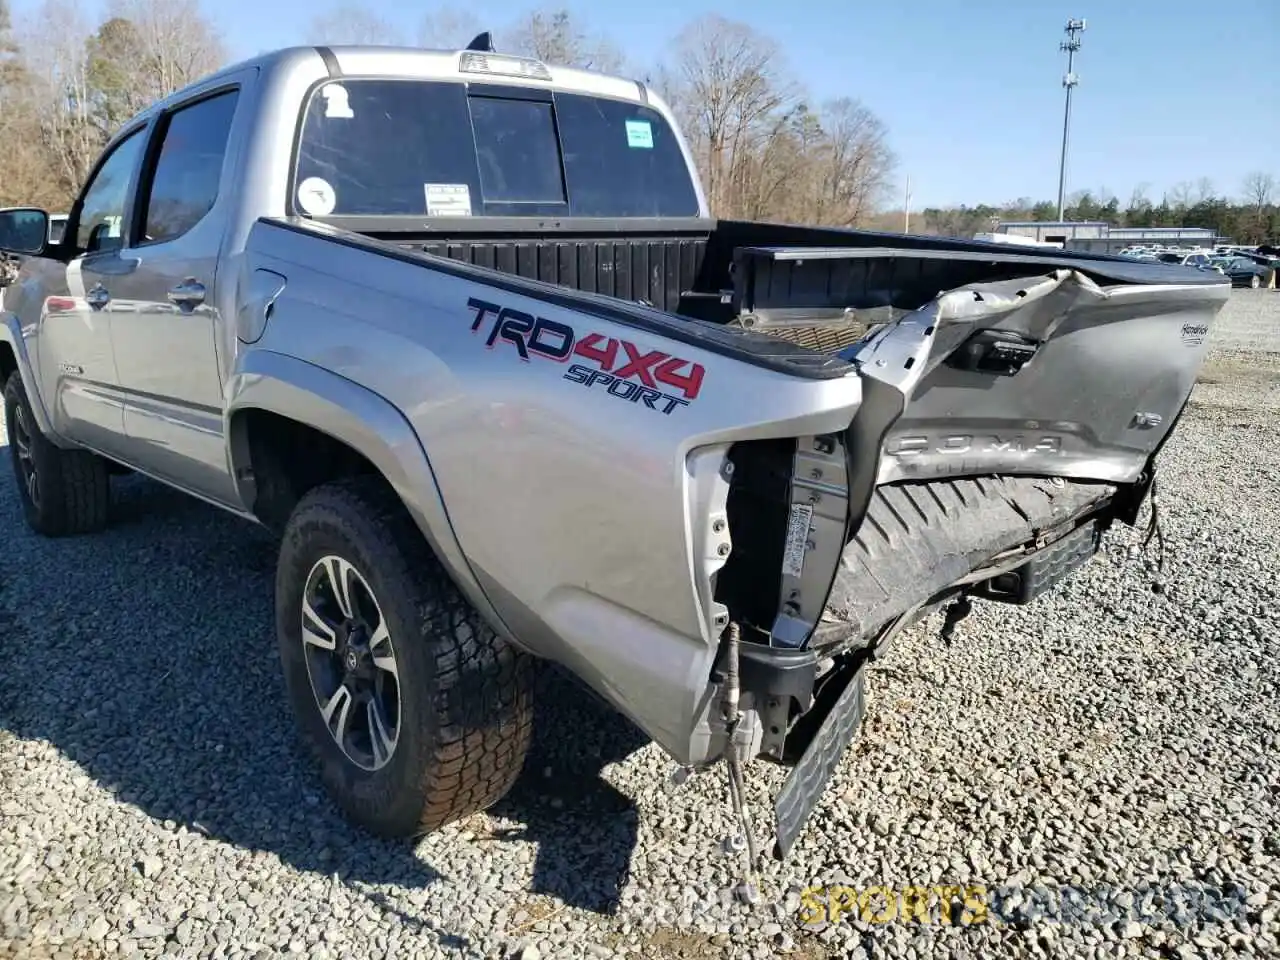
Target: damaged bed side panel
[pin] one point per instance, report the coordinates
(1050, 375)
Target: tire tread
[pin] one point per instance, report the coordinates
(482, 718)
(75, 484)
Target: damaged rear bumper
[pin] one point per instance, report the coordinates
(920, 541)
(1006, 540)
(1004, 427)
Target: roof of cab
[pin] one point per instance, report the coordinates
(368, 60)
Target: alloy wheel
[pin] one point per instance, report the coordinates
(351, 662)
(26, 461)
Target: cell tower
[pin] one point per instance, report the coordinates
(1070, 45)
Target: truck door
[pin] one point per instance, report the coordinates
(165, 318)
(78, 377)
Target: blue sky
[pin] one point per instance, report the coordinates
(1171, 90)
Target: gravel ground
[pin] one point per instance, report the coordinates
(1107, 740)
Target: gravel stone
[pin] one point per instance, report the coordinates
(1099, 771)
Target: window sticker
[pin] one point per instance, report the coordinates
(448, 199)
(336, 104)
(316, 197)
(639, 134)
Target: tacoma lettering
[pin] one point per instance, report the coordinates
(965, 443)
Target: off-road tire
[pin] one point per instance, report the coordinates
(465, 701)
(73, 486)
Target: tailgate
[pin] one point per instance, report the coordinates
(979, 364)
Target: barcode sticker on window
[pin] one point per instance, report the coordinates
(448, 199)
(797, 539)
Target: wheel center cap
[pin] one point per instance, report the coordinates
(352, 660)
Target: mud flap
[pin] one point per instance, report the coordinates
(809, 778)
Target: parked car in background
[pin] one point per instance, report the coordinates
(1186, 259)
(1197, 259)
(1262, 257)
(1244, 272)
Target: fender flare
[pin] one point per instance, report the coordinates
(367, 423)
(11, 334)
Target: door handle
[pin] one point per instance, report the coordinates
(187, 295)
(97, 296)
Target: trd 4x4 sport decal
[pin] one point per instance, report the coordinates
(652, 378)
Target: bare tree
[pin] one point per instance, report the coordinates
(10, 62)
(1179, 196)
(853, 163)
(1259, 189)
(354, 23)
(58, 90)
(762, 152)
(115, 55)
(552, 36)
(448, 28)
(1204, 190)
(734, 98)
(769, 177)
(29, 176)
(177, 43)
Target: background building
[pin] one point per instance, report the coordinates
(1099, 236)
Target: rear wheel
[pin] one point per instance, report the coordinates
(1255, 281)
(418, 713)
(62, 491)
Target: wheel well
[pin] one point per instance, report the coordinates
(287, 459)
(8, 362)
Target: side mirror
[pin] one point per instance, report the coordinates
(24, 231)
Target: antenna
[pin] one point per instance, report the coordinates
(482, 42)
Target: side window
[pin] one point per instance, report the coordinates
(102, 212)
(188, 168)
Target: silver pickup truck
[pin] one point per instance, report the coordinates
(460, 327)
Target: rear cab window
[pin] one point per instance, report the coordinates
(441, 148)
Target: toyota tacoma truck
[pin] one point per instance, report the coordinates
(461, 328)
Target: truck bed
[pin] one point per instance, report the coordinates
(802, 300)
(687, 266)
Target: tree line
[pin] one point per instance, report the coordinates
(764, 148)
(67, 84)
(1252, 215)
